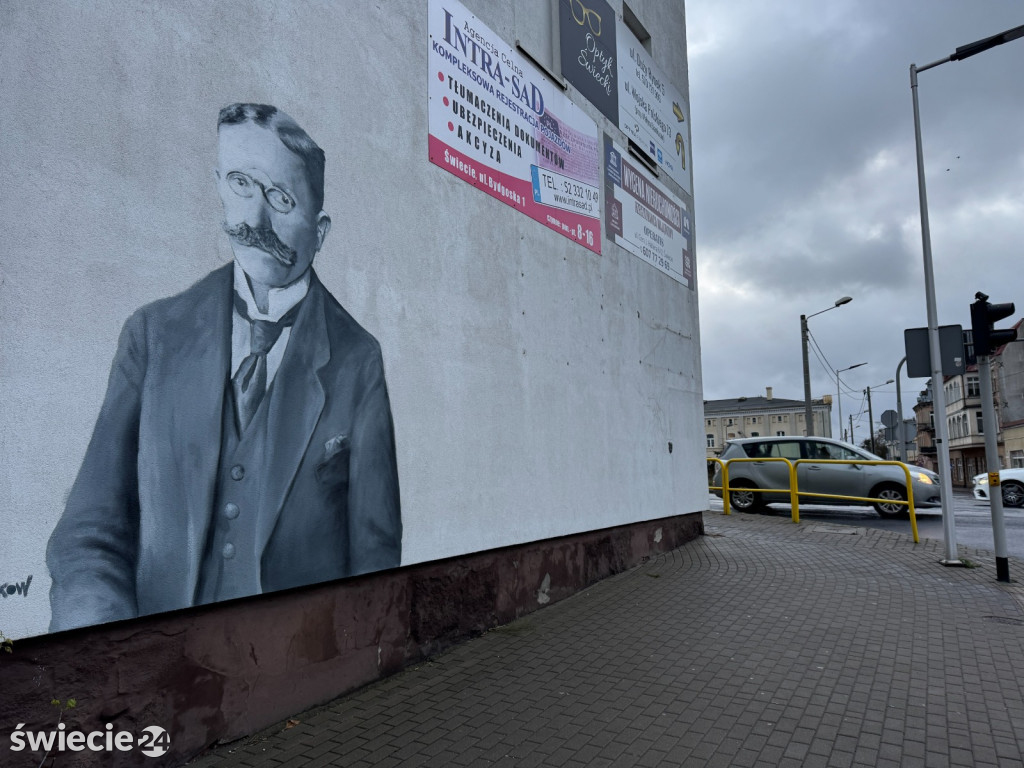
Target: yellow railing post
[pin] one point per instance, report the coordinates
(794, 493)
(724, 487)
(909, 503)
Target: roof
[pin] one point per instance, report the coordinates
(757, 404)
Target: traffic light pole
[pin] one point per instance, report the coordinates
(995, 490)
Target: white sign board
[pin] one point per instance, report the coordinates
(645, 218)
(496, 122)
(652, 112)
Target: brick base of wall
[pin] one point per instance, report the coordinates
(218, 673)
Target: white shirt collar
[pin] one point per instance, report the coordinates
(280, 300)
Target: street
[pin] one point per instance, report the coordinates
(973, 521)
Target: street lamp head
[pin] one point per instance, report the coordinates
(838, 303)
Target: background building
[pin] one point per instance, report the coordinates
(761, 416)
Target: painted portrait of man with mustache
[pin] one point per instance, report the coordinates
(245, 443)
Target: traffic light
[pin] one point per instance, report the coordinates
(983, 317)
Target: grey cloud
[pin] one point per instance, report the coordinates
(805, 180)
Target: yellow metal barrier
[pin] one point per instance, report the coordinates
(794, 493)
(725, 487)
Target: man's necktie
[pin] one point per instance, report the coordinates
(250, 380)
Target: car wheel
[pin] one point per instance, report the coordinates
(743, 500)
(887, 494)
(1013, 494)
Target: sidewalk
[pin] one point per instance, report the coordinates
(762, 643)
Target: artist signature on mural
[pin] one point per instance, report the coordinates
(15, 588)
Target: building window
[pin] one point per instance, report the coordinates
(973, 387)
(729, 423)
(778, 418)
(755, 434)
(1017, 459)
(711, 440)
(981, 422)
(953, 391)
(780, 434)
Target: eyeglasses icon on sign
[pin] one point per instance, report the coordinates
(583, 15)
(244, 185)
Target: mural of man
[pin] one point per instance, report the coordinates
(245, 443)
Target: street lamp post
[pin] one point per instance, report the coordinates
(871, 416)
(839, 395)
(901, 432)
(808, 415)
(938, 395)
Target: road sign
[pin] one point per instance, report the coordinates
(951, 350)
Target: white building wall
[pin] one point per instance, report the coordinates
(536, 387)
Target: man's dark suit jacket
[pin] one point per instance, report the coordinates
(132, 537)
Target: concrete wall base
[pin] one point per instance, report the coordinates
(218, 673)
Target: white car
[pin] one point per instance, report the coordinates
(1012, 483)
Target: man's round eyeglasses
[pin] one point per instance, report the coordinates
(244, 185)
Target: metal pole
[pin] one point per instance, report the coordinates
(871, 422)
(851, 429)
(839, 399)
(938, 392)
(995, 490)
(901, 433)
(808, 416)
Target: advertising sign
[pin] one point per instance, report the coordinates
(587, 41)
(497, 123)
(652, 112)
(645, 218)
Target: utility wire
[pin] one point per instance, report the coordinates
(823, 360)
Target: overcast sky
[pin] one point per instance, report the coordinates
(805, 185)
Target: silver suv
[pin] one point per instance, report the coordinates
(887, 483)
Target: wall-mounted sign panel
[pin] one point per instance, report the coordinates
(587, 43)
(645, 218)
(652, 112)
(497, 123)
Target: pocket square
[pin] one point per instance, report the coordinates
(334, 446)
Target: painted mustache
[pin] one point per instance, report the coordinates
(264, 238)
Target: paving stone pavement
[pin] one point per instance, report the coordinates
(763, 643)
